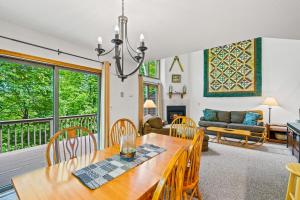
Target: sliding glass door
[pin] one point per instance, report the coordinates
(36, 100)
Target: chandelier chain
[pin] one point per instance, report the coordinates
(123, 8)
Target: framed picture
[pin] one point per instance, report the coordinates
(176, 78)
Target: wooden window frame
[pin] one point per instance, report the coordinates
(47, 61)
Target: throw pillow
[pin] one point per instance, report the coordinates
(251, 118)
(210, 115)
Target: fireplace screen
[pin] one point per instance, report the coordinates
(175, 111)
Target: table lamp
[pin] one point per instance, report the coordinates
(270, 101)
(149, 104)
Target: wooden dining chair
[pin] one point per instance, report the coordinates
(191, 177)
(171, 183)
(119, 128)
(183, 127)
(293, 190)
(69, 143)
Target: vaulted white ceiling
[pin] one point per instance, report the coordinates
(170, 26)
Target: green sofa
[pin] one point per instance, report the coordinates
(234, 120)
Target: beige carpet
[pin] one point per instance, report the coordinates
(235, 173)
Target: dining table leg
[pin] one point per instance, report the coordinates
(218, 137)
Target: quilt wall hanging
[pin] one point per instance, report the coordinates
(233, 70)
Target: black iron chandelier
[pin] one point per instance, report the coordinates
(121, 42)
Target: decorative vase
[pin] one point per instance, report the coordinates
(127, 147)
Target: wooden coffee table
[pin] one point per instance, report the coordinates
(219, 131)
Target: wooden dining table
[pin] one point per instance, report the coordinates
(58, 182)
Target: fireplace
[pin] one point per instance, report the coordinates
(174, 111)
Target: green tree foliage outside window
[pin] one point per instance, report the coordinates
(25, 91)
(78, 93)
(150, 69)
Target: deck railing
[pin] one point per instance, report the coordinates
(20, 134)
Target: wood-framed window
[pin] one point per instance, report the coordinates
(151, 69)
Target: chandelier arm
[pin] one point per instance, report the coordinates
(127, 40)
(118, 58)
(118, 64)
(138, 67)
(131, 55)
(130, 47)
(108, 52)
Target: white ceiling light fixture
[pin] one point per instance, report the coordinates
(121, 42)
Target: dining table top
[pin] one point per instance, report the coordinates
(58, 182)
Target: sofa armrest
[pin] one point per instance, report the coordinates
(260, 123)
(147, 128)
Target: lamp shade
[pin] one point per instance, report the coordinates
(270, 101)
(149, 104)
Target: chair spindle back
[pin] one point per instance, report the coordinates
(119, 128)
(69, 143)
(170, 186)
(183, 127)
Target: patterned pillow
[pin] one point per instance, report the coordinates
(210, 115)
(251, 118)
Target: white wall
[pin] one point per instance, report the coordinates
(280, 79)
(126, 106)
(120, 107)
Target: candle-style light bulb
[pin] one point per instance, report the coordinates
(142, 38)
(117, 29)
(99, 40)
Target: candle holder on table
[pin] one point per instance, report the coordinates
(127, 147)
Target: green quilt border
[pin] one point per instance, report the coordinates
(258, 63)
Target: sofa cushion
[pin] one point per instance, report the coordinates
(210, 123)
(251, 118)
(155, 122)
(257, 129)
(223, 116)
(237, 116)
(210, 115)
